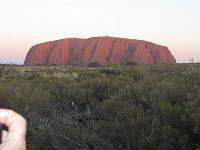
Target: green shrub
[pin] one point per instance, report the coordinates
(144, 107)
(94, 64)
(1, 70)
(110, 71)
(129, 63)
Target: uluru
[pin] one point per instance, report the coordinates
(104, 50)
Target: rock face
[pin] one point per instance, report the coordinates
(105, 50)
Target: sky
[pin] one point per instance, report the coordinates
(173, 23)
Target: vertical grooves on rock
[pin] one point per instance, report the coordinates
(49, 52)
(93, 52)
(86, 42)
(130, 50)
(60, 56)
(46, 53)
(111, 51)
(106, 50)
(125, 53)
(72, 46)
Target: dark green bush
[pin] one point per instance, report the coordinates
(129, 63)
(110, 71)
(1, 70)
(94, 64)
(144, 107)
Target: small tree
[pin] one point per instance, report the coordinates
(129, 63)
(1, 71)
(94, 64)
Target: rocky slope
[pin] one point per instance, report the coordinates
(105, 50)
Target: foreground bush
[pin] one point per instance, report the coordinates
(148, 107)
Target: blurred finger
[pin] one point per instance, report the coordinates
(16, 124)
(4, 135)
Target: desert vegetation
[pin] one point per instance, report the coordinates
(141, 107)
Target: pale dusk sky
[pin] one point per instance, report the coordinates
(173, 23)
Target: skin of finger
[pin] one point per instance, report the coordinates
(4, 136)
(15, 122)
(13, 145)
(15, 139)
